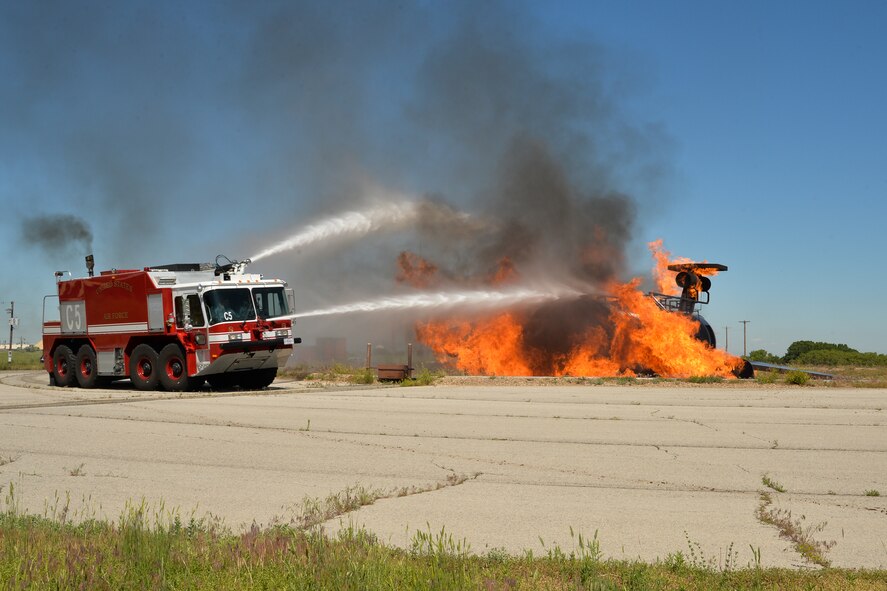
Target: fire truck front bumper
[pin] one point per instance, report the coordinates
(243, 357)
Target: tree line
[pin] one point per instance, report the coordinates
(819, 353)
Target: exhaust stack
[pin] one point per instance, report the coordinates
(90, 264)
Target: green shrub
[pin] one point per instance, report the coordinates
(798, 348)
(799, 378)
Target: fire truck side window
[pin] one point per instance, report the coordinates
(227, 305)
(196, 310)
(270, 302)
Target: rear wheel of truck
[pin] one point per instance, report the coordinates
(257, 378)
(63, 366)
(143, 368)
(86, 369)
(173, 369)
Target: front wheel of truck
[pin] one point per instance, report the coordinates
(173, 368)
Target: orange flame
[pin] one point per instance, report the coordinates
(634, 335)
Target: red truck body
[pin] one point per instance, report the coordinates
(173, 327)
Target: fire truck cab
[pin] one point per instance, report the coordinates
(173, 327)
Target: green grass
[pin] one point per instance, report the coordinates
(705, 379)
(362, 376)
(872, 493)
(154, 548)
(21, 360)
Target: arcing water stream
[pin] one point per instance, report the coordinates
(436, 300)
(353, 223)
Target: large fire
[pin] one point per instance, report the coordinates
(624, 334)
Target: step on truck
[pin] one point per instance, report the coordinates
(173, 327)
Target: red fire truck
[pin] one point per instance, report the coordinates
(172, 326)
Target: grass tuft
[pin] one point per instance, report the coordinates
(794, 530)
(770, 483)
(872, 493)
(77, 471)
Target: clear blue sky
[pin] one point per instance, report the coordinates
(178, 132)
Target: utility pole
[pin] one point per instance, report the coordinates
(11, 310)
(744, 325)
(727, 339)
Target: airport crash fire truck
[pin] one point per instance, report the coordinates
(173, 327)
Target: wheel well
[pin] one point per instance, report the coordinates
(72, 344)
(156, 343)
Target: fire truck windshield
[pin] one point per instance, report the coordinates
(229, 305)
(270, 302)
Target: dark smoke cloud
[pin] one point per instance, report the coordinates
(58, 234)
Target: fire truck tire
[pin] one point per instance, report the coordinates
(257, 379)
(85, 367)
(63, 366)
(143, 368)
(172, 368)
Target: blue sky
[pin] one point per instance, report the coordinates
(753, 135)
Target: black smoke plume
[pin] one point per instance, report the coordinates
(58, 234)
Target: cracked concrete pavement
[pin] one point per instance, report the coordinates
(647, 468)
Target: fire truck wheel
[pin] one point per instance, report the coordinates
(173, 368)
(257, 379)
(143, 368)
(87, 371)
(63, 366)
